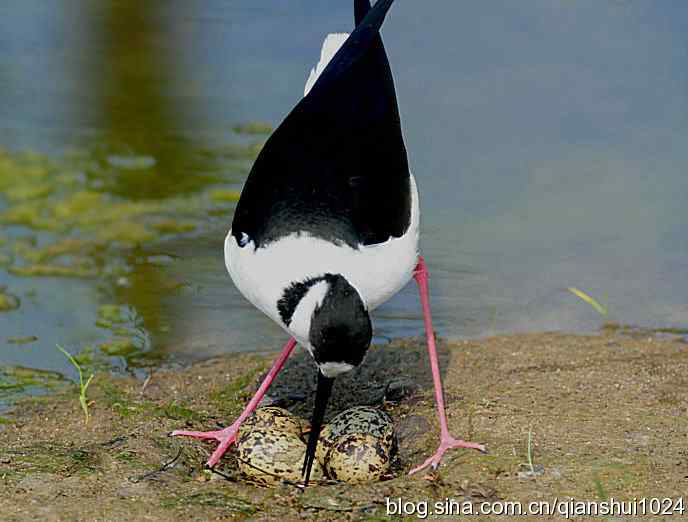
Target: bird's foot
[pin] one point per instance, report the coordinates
(226, 437)
(447, 442)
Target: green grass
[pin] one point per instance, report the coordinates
(83, 386)
(530, 451)
(599, 489)
(600, 308)
(213, 499)
(229, 397)
(532, 470)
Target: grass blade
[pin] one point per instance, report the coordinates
(83, 386)
(588, 299)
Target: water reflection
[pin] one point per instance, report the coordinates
(80, 228)
(144, 149)
(547, 140)
(137, 117)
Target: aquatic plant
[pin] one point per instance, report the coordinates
(83, 386)
(254, 127)
(8, 301)
(93, 212)
(588, 299)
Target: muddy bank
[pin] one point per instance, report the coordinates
(607, 416)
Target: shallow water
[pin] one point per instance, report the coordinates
(548, 141)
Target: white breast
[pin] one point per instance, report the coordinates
(377, 272)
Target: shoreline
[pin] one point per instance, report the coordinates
(603, 412)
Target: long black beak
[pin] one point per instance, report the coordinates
(322, 395)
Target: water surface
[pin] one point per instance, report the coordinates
(548, 140)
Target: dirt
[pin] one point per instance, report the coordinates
(606, 416)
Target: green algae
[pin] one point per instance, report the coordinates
(619, 477)
(24, 243)
(225, 195)
(128, 232)
(639, 331)
(16, 380)
(253, 127)
(131, 459)
(55, 458)
(115, 398)
(173, 226)
(119, 347)
(91, 360)
(229, 397)
(216, 499)
(235, 151)
(121, 450)
(89, 213)
(26, 192)
(54, 270)
(129, 405)
(78, 206)
(22, 340)
(64, 247)
(5, 260)
(8, 302)
(21, 174)
(127, 326)
(131, 162)
(176, 411)
(123, 211)
(31, 215)
(92, 223)
(110, 314)
(120, 331)
(111, 394)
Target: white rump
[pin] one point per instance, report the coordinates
(330, 47)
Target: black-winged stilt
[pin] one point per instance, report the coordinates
(326, 228)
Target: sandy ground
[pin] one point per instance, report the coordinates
(607, 416)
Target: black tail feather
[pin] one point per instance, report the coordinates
(322, 395)
(347, 125)
(361, 8)
(355, 47)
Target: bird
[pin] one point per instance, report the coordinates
(327, 225)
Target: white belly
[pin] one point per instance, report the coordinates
(377, 272)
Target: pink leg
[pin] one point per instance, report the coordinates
(446, 440)
(227, 436)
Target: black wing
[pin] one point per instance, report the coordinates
(336, 167)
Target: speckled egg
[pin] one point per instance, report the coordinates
(270, 446)
(357, 458)
(360, 419)
(269, 455)
(272, 417)
(358, 445)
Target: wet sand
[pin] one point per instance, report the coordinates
(607, 416)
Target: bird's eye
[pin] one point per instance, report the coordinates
(355, 181)
(244, 239)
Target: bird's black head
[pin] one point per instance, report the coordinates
(339, 334)
(340, 329)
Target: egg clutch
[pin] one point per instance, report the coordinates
(356, 446)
